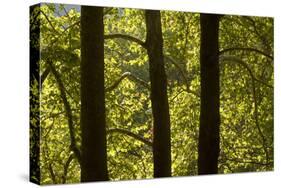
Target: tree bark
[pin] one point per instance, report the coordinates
(159, 98)
(209, 138)
(34, 84)
(94, 157)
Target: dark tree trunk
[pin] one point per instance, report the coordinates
(94, 157)
(159, 99)
(209, 139)
(34, 83)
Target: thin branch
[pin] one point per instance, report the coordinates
(138, 80)
(249, 162)
(52, 173)
(128, 133)
(143, 44)
(130, 76)
(56, 39)
(239, 61)
(43, 76)
(260, 36)
(66, 13)
(186, 80)
(172, 100)
(72, 25)
(66, 166)
(245, 49)
(107, 11)
(49, 21)
(50, 128)
(68, 111)
(126, 37)
(253, 24)
(264, 142)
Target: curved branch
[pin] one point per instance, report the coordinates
(239, 61)
(68, 112)
(245, 49)
(257, 121)
(107, 11)
(133, 135)
(66, 166)
(130, 76)
(257, 32)
(56, 39)
(242, 63)
(143, 44)
(247, 162)
(126, 37)
(43, 77)
(117, 82)
(138, 80)
(187, 82)
(52, 173)
(45, 74)
(49, 21)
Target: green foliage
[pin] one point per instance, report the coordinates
(246, 119)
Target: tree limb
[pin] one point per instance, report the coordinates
(66, 166)
(260, 36)
(126, 37)
(128, 133)
(249, 162)
(239, 61)
(45, 74)
(130, 76)
(143, 44)
(53, 176)
(245, 49)
(43, 77)
(68, 112)
(107, 11)
(242, 63)
(186, 80)
(56, 39)
(49, 21)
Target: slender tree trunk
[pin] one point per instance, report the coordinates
(94, 157)
(34, 84)
(159, 99)
(209, 139)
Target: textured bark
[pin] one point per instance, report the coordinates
(159, 99)
(34, 52)
(94, 157)
(209, 113)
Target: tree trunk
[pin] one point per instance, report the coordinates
(94, 157)
(159, 99)
(209, 139)
(34, 84)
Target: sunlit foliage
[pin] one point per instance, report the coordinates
(246, 94)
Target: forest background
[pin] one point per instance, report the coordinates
(157, 137)
(264, 8)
